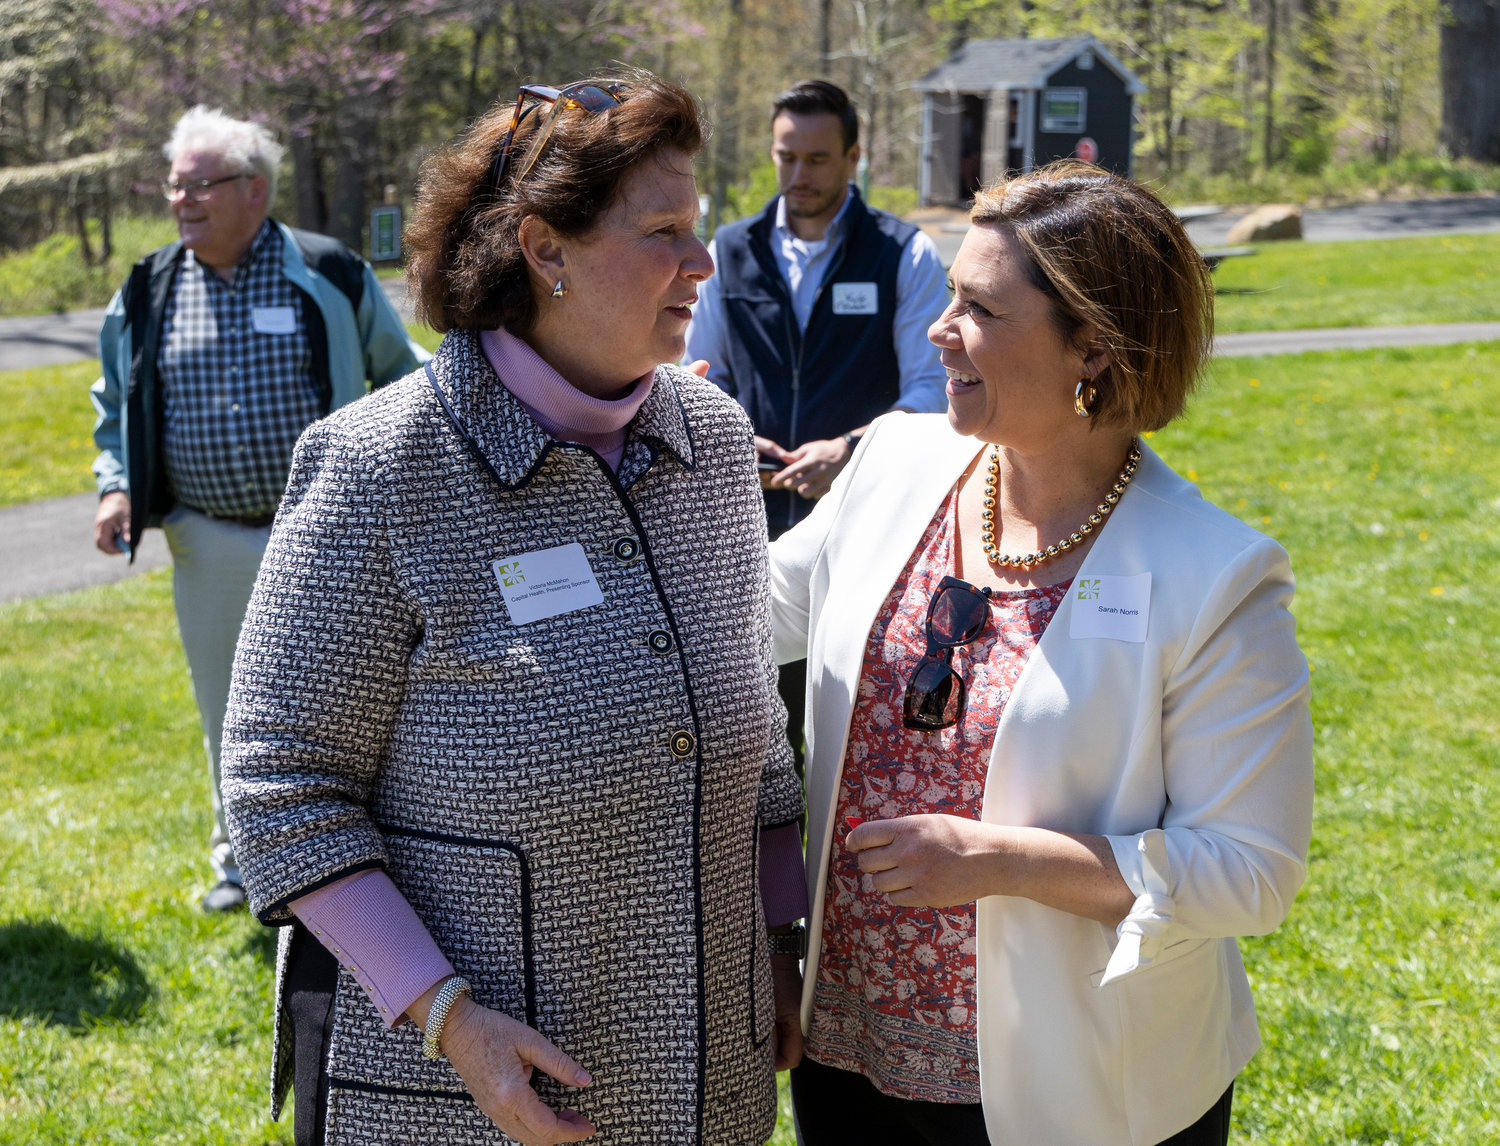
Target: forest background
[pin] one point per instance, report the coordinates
(1246, 99)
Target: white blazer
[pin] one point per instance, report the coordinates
(1191, 751)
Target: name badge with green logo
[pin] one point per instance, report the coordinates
(1118, 608)
(547, 583)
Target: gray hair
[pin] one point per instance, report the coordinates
(244, 144)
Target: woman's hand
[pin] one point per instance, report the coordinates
(495, 1056)
(943, 861)
(786, 981)
(929, 861)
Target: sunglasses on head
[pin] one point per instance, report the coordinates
(593, 98)
(935, 694)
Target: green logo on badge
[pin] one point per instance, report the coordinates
(510, 575)
(1088, 590)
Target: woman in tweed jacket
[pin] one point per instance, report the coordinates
(503, 703)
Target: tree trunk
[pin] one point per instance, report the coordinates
(355, 149)
(81, 221)
(307, 171)
(474, 102)
(825, 37)
(726, 136)
(1268, 138)
(106, 237)
(1468, 51)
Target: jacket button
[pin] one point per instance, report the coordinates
(682, 744)
(626, 548)
(660, 641)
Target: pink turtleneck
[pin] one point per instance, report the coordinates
(555, 404)
(363, 918)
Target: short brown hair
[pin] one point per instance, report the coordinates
(1110, 255)
(465, 269)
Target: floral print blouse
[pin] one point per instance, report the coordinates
(894, 998)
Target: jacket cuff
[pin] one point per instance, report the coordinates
(1141, 934)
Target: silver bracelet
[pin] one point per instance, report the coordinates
(437, 1014)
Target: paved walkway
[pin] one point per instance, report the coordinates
(1353, 338)
(49, 339)
(49, 548)
(52, 339)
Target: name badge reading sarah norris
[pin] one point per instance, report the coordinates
(274, 319)
(547, 583)
(1115, 607)
(856, 298)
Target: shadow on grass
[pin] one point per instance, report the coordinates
(68, 980)
(261, 943)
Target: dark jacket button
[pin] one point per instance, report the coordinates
(660, 641)
(626, 548)
(682, 744)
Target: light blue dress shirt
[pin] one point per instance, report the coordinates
(921, 295)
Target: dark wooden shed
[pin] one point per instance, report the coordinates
(999, 105)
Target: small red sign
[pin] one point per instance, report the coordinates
(1087, 150)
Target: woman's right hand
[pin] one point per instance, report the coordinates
(495, 1055)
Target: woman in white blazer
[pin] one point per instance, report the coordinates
(1058, 745)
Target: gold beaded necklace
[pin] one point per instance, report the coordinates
(1101, 511)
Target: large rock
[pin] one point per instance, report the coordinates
(1273, 221)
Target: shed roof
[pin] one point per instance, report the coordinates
(989, 65)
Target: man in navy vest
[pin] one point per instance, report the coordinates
(816, 318)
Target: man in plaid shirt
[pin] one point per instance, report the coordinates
(217, 353)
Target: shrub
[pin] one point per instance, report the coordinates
(52, 276)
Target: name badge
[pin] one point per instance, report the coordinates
(856, 298)
(547, 583)
(1114, 607)
(274, 319)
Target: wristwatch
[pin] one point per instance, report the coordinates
(793, 942)
(851, 439)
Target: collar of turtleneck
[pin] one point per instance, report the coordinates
(559, 407)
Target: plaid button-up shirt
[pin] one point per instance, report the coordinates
(235, 368)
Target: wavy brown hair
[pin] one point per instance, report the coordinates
(465, 269)
(1112, 256)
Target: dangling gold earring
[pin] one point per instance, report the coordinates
(559, 290)
(1083, 403)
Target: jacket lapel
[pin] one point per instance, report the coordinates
(1061, 669)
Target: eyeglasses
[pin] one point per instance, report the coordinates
(591, 97)
(197, 190)
(935, 694)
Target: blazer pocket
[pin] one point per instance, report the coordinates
(1186, 977)
(475, 898)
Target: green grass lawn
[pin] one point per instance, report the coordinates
(47, 424)
(1375, 282)
(46, 428)
(128, 1017)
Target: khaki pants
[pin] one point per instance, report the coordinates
(214, 564)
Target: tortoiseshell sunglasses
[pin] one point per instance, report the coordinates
(593, 98)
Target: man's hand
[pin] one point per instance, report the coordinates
(768, 451)
(112, 523)
(811, 467)
(495, 1055)
(786, 980)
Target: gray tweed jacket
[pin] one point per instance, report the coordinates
(572, 805)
